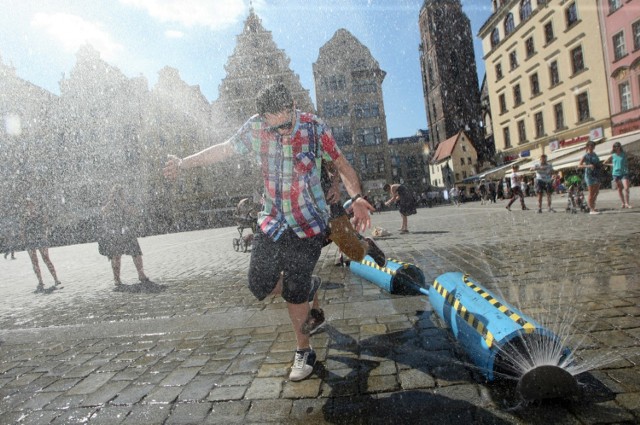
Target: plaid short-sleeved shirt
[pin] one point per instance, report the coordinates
(291, 172)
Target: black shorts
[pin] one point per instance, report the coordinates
(293, 256)
(544, 187)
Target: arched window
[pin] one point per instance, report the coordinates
(495, 37)
(525, 10)
(509, 25)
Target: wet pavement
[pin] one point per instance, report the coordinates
(196, 347)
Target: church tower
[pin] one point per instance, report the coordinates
(256, 62)
(449, 76)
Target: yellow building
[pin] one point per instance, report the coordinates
(454, 160)
(546, 75)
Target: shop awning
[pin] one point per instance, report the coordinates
(603, 150)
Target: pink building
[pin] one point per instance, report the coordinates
(621, 38)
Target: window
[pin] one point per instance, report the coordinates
(366, 110)
(577, 61)
(517, 95)
(558, 113)
(614, 5)
(513, 60)
(582, 102)
(522, 132)
(333, 83)
(365, 86)
(625, 96)
(548, 32)
(619, 48)
(636, 35)
(503, 103)
(535, 84)
(495, 37)
(554, 74)
(571, 15)
(342, 135)
(499, 71)
(468, 160)
(461, 161)
(539, 121)
(507, 137)
(335, 108)
(525, 10)
(529, 47)
(368, 136)
(509, 25)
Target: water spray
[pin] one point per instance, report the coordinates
(499, 339)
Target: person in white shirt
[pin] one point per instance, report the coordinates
(544, 182)
(516, 190)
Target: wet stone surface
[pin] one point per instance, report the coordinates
(196, 347)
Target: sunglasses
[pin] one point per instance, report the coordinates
(284, 126)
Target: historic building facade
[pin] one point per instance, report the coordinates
(349, 98)
(449, 76)
(454, 160)
(621, 38)
(545, 75)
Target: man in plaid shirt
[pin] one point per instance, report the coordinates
(289, 146)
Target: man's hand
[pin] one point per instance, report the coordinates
(172, 167)
(361, 218)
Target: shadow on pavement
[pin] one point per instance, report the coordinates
(142, 287)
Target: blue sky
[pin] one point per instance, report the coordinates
(140, 37)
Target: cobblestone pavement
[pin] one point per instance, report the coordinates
(198, 348)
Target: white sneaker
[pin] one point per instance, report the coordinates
(303, 364)
(594, 212)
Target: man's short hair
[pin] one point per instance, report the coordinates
(386, 187)
(274, 99)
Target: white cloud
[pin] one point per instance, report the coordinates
(73, 32)
(173, 34)
(216, 14)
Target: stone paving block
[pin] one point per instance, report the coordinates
(37, 417)
(39, 400)
(228, 412)
(91, 383)
(605, 412)
(147, 414)
(264, 388)
(132, 394)
(163, 395)
(227, 393)
(74, 416)
(109, 415)
(412, 379)
(104, 394)
(198, 388)
(191, 413)
(262, 411)
(309, 388)
(180, 377)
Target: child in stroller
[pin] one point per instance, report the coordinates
(575, 196)
(246, 216)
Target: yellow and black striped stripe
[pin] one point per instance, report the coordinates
(386, 270)
(528, 327)
(462, 311)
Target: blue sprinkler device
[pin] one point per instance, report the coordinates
(395, 277)
(494, 334)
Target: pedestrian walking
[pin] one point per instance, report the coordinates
(454, 194)
(516, 189)
(35, 237)
(288, 145)
(592, 175)
(9, 238)
(406, 203)
(620, 173)
(118, 236)
(544, 182)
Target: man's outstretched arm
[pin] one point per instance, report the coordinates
(210, 155)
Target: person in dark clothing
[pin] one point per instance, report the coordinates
(118, 238)
(406, 202)
(35, 231)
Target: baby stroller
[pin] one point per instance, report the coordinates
(246, 216)
(575, 196)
